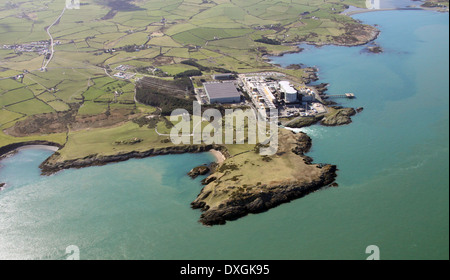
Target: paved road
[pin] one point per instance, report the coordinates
(51, 40)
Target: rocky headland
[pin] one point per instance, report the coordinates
(341, 116)
(257, 199)
(337, 116)
(229, 195)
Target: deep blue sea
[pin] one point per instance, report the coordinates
(393, 175)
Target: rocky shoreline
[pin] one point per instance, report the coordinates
(260, 198)
(260, 202)
(344, 42)
(52, 165)
(373, 47)
(12, 148)
(356, 35)
(342, 116)
(267, 196)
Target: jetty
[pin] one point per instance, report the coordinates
(345, 95)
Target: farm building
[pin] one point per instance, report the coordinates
(222, 93)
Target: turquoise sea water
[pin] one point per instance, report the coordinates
(393, 175)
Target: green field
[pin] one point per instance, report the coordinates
(103, 141)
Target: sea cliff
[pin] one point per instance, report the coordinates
(53, 164)
(230, 195)
(230, 191)
(260, 198)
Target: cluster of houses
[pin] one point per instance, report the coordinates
(40, 47)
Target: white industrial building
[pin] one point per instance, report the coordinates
(290, 93)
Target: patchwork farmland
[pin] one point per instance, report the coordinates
(152, 38)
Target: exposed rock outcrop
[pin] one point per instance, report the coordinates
(321, 88)
(303, 145)
(209, 179)
(374, 48)
(341, 117)
(199, 170)
(304, 121)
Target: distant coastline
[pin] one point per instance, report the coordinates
(362, 11)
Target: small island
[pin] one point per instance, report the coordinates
(375, 49)
(199, 171)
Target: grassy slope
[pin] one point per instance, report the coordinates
(102, 141)
(247, 172)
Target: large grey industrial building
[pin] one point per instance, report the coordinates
(222, 93)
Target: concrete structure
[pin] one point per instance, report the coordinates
(346, 95)
(306, 95)
(266, 98)
(308, 98)
(269, 94)
(223, 77)
(290, 93)
(222, 93)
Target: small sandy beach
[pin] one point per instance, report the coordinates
(41, 147)
(220, 158)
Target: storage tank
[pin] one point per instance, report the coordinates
(290, 93)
